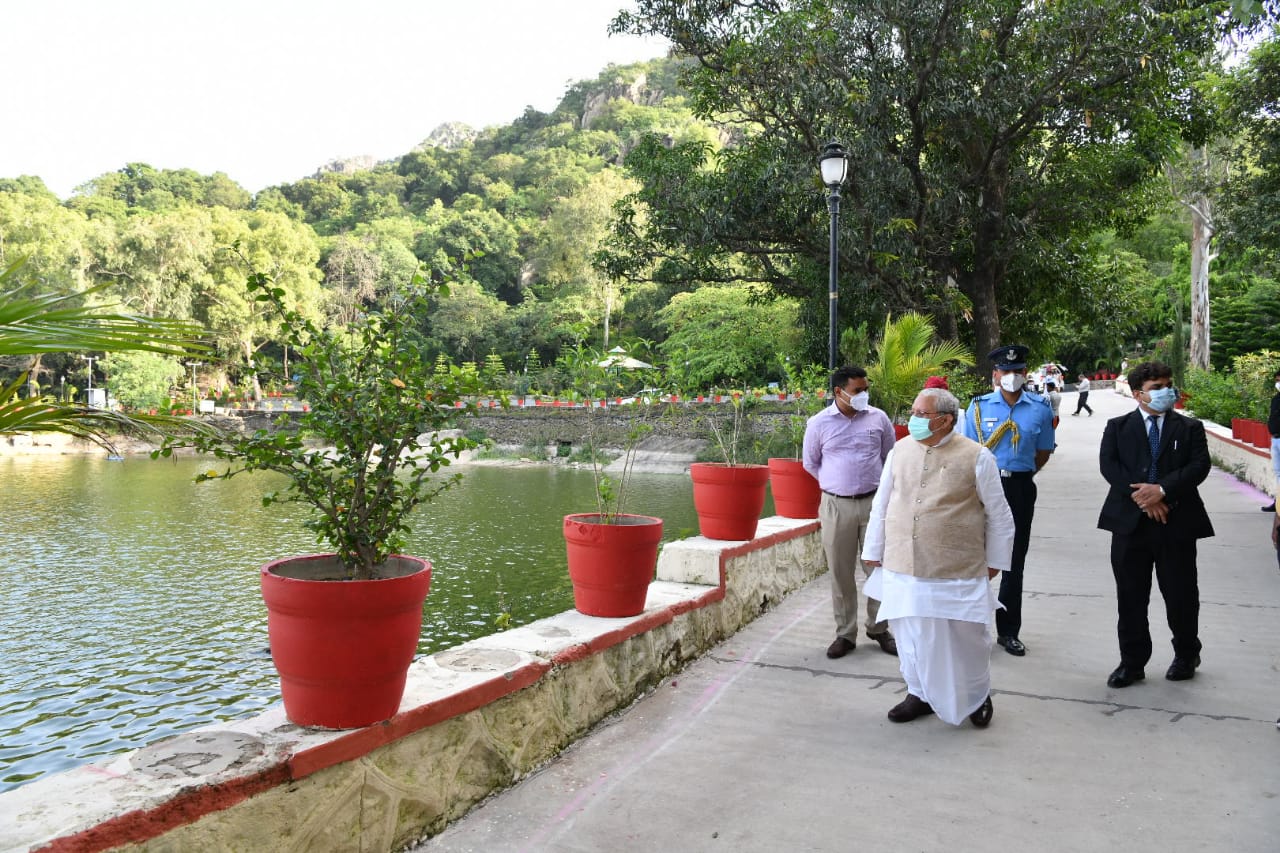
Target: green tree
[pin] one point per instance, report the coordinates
(162, 259)
(1251, 208)
(141, 380)
(1246, 323)
(565, 251)
(984, 137)
(470, 323)
(727, 334)
(286, 250)
(497, 262)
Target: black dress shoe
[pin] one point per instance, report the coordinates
(839, 648)
(888, 644)
(1124, 675)
(1182, 669)
(910, 708)
(982, 717)
(1012, 645)
(1269, 508)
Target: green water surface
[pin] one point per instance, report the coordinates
(130, 609)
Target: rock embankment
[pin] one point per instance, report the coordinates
(671, 436)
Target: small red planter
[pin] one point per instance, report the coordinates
(900, 431)
(728, 498)
(611, 565)
(343, 647)
(1235, 428)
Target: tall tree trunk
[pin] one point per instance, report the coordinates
(979, 284)
(980, 287)
(1202, 231)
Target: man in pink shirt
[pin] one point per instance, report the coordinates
(845, 446)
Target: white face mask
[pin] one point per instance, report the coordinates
(1278, 386)
(1012, 382)
(860, 402)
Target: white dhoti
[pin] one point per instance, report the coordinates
(942, 626)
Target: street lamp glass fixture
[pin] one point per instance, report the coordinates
(834, 164)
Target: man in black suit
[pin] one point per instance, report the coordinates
(1155, 459)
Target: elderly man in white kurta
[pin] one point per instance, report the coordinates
(940, 529)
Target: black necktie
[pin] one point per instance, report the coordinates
(1153, 437)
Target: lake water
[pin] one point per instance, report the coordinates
(131, 612)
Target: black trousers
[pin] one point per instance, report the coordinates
(1083, 403)
(1132, 557)
(1020, 492)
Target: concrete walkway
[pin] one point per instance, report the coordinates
(766, 745)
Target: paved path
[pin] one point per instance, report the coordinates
(766, 745)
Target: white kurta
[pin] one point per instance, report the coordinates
(941, 624)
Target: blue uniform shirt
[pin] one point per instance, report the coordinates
(1033, 417)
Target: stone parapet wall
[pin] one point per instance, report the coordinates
(1239, 458)
(474, 720)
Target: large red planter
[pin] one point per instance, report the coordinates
(728, 498)
(343, 647)
(795, 492)
(1235, 428)
(900, 431)
(611, 565)
(1261, 435)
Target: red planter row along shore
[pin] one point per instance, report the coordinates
(1251, 432)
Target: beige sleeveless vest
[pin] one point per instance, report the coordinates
(935, 524)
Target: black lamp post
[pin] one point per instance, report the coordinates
(834, 164)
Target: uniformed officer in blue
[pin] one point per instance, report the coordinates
(1017, 426)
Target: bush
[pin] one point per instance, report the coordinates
(1214, 396)
(1243, 392)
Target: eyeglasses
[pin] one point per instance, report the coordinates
(914, 413)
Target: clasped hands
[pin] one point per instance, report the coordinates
(1150, 500)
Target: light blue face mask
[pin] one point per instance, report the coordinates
(1162, 399)
(919, 427)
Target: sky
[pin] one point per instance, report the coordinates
(267, 91)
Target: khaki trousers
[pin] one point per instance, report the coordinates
(844, 523)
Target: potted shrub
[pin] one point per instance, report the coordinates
(795, 491)
(908, 356)
(611, 554)
(344, 626)
(729, 495)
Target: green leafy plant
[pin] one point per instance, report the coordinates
(908, 356)
(593, 379)
(380, 409)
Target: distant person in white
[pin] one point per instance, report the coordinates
(1082, 401)
(940, 529)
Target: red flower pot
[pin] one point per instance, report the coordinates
(795, 492)
(343, 647)
(900, 431)
(611, 565)
(1261, 435)
(728, 498)
(1235, 428)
